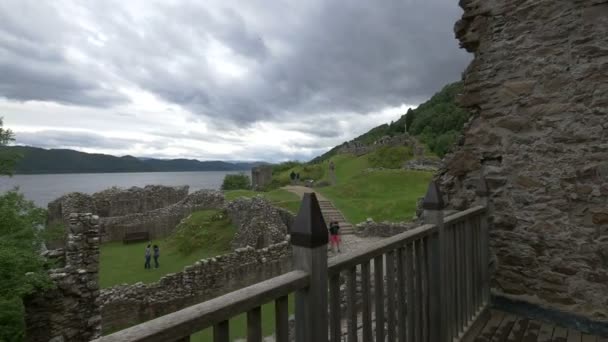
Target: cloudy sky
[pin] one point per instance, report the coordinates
(234, 80)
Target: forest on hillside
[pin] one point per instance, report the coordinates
(35, 160)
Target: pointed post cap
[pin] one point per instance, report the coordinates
(433, 200)
(309, 229)
(482, 187)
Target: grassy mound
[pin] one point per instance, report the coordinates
(201, 236)
(389, 195)
(280, 198)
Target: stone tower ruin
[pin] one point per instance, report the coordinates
(538, 86)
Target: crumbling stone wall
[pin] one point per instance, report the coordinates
(69, 312)
(126, 305)
(538, 87)
(154, 209)
(259, 223)
(116, 201)
(160, 222)
(119, 202)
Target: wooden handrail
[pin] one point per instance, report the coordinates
(195, 318)
(347, 260)
(463, 215)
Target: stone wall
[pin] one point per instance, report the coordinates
(160, 222)
(126, 305)
(69, 312)
(261, 176)
(538, 88)
(383, 229)
(259, 223)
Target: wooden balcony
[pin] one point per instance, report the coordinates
(427, 284)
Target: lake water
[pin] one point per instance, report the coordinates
(43, 189)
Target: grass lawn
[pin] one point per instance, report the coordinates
(120, 263)
(387, 195)
(279, 197)
(238, 324)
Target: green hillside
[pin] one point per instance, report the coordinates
(437, 123)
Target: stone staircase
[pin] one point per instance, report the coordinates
(331, 213)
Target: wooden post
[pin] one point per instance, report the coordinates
(433, 214)
(309, 239)
(483, 197)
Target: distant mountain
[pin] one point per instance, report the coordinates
(38, 161)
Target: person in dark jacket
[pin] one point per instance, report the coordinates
(156, 256)
(148, 254)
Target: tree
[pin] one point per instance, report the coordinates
(8, 159)
(236, 182)
(21, 266)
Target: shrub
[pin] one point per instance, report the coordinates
(236, 182)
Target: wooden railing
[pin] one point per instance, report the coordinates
(427, 284)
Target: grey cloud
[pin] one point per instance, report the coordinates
(33, 62)
(340, 56)
(309, 62)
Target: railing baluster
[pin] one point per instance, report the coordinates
(351, 303)
(477, 265)
(334, 308)
(463, 275)
(367, 313)
(454, 280)
(254, 325)
(428, 287)
(411, 303)
(221, 331)
(401, 309)
(473, 246)
(467, 270)
(184, 339)
(379, 296)
(390, 295)
(281, 309)
(419, 292)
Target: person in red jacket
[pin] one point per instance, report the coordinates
(334, 235)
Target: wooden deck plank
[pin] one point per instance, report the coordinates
(574, 336)
(518, 330)
(477, 327)
(546, 332)
(503, 331)
(589, 338)
(531, 334)
(560, 334)
(488, 331)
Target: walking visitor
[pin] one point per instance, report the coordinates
(334, 229)
(148, 254)
(156, 256)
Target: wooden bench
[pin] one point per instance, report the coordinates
(136, 237)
